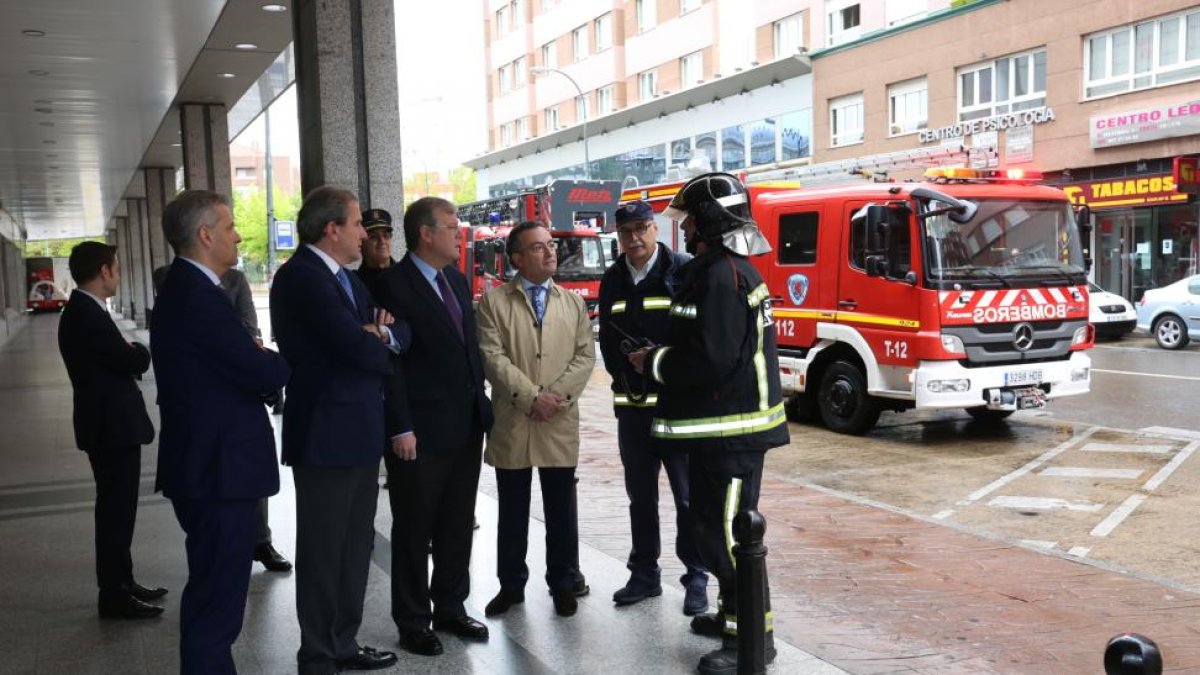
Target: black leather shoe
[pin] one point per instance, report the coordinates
(503, 601)
(367, 658)
(463, 626)
(142, 593)
(422, 642)
(125, 606)
(636, 591)
(581, 586)
(271, 559)
(724, 661)
(565, 603)
(695, 600)
(708, 625)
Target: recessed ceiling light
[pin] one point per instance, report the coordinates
(227, 76)
(245, 45)
(274, 8)
(39, 73)
(34, 33)
(176, 145)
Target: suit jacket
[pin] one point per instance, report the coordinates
(437, 389)
(109, 409)
(334, 411)
(216, 441)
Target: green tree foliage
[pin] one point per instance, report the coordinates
(54, 248)
(463, 179)
(250, 215)
(460, 181)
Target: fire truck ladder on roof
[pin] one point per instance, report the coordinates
(872, 167)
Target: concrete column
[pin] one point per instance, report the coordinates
(205, 135)
(348, 99)
(136, 262)
(160, 189)
(121, 230)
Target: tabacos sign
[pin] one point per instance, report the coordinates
(1021, 118)
(1138, 191)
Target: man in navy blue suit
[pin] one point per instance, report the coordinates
(216, 449)
(339, 346)
(437, 413)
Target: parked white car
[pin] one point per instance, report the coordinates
(1111, 314)
(1172, 313)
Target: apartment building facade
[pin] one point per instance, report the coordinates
(1099, 95)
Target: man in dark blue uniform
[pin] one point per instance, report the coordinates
(635, 303)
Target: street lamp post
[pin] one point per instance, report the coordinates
(587, 162)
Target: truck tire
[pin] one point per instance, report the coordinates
(1170, 332)
(986, 416)
(843, 401)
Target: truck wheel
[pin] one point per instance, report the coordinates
(1169, 332)
(986, 416)
(843, 401)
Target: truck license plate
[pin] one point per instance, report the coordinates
(1019, 377)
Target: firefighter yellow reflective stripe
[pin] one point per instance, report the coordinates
(760, 361)
(684, 311)
(733, 499)
(648, 402)
(656, 303)
(731, 623)
(656, 363)
(618, 307)
(758, 295)
(720, 427)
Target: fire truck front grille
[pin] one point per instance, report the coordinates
(1001, 344)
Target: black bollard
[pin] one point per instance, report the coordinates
(1132, 654)
(751, 555)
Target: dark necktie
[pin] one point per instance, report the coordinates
(451, 303)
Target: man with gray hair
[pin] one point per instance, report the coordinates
(339, 346)
(216, 449)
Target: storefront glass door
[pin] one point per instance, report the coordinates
(1143, 248)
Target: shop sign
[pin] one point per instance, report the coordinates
(1148, 124)
(1139, 191)
(1018, 146)
(1186, 178)
(1021, 118)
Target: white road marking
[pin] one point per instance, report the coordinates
(1191, 434)
(1086, 472)
(1038, 543)
(1130, 372)
(1030, 466)
(942, 515)
(1165, 472)
(1129, 447)
(1118, 515)
(1079, 551)
(1043, 504)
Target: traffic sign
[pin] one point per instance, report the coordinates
(285, 235)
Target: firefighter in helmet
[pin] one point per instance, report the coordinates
(718, 375)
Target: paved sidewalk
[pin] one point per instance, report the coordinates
(874, 591)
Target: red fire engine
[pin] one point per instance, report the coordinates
(575, 211)
(43, 276)
(966, 291)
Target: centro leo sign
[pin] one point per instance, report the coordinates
(1148, 124)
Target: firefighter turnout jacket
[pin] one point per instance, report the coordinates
(640, 312)
(718, 371)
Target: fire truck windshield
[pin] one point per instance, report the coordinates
(1006, 243)
(578, 258)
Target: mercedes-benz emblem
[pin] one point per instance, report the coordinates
(1023, 337)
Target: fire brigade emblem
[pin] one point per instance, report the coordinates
(797, 286)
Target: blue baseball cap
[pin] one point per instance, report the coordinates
(635, 210)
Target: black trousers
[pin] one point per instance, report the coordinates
(562, 527)
(262, 524)
(433, 500)
(724, 483)
(643, 458)
(117, 472)
(335, 532)
(220, 545)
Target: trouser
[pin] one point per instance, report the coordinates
(220, 547)
(262, 526)
(642, 458)
(117, 472)
(335, 531)
(562, 527)
(724, 483)
(432, 500)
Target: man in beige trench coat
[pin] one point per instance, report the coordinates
(538, 354)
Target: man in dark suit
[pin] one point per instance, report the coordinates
(339, 346)
(437, 413)
(216, 453)
(110, 420)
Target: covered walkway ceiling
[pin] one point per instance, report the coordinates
(90, 89)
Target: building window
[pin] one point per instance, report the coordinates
(549, 55)
(581, 108)
(903, 11)
(552, 118)
(506, 134)
(603, 32)
(579, 43)
(762, 142)
(843, 21)
(686, 6)
(516, 15)
(647, 14)
(501, 20)
(908, 107)
(244, 172)
(733, 148)
(523, 129)
(604, 100)
(788, 36)
(519, 73)
(798, 238)
(846, 120)
(647, 85)
(547, 4)
(503, 76)
(1008, 84)
(691, 70)
(1150, 54)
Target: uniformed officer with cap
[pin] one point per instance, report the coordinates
(377, 249)
(635, 303)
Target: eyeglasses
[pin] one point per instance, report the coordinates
(639, 230)
(540, 248)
